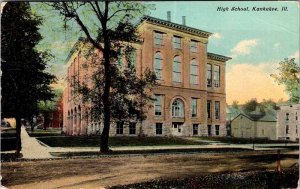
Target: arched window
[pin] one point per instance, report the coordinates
(177, 108)
(158, 65)
(194, 72)
(177, 69)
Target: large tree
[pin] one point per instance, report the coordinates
(24, 80)
(289, 76)
(114, 26)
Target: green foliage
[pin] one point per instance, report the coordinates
(269, 104)
(24, 80)
(289, 76)
(250, 105)
(235, 104)
(49, 105)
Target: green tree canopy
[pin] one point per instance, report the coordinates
(289, 76)
(24, 80)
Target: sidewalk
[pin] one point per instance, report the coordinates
(31, 148)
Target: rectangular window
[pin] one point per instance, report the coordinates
(217, 128)
(296, 117)
(194, 72)
(120, 127)
(194, 107)
(158, 128)
(158, 105)
(208, 109)
(195, 129)
(132, 128)
(217, 76)
(208, 75)
(217, 109)
(176, 42)
(287, 116)
(287, 129)
(158, 38)
(176, 71)
(193, 46)
(296, 129)
(209, 130)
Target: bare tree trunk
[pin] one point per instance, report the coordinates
(106, 100)
(18, 136)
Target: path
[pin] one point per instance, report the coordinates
(105, 171)
(31, 148)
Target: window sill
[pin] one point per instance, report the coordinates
(158, 45)
(177, 48)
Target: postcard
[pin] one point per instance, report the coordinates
(150, 94)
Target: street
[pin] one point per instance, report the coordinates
(111, 171)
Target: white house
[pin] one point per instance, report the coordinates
(288, 122)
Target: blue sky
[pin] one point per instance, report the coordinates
(269, 28)
(257, 41)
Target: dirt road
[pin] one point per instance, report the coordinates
(110, 171)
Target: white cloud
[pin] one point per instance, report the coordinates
(246, 81)
(216, 36)
(244, 47)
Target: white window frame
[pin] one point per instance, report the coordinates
(194, 72)
(176, 42)
(158, 65)
(158, 38)
(177, 69)
(194, 106)
(209, 75)
(217, 110)
(178, 108)
(217, 76)
(193, 46)
(158, 105)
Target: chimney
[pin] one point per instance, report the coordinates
(183, 20)
(169, 16)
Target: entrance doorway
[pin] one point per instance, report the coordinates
(177, 128)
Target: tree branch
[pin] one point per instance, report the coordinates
(83, 27)
(98, 8)
(96, 12)
(121, 10)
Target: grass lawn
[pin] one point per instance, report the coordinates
(42, 132)
(233, 140)
(94, 141)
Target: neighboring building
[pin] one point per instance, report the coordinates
(288, 122)
(52, 118)
(255, 125)
(231, 113)
(190, 98)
